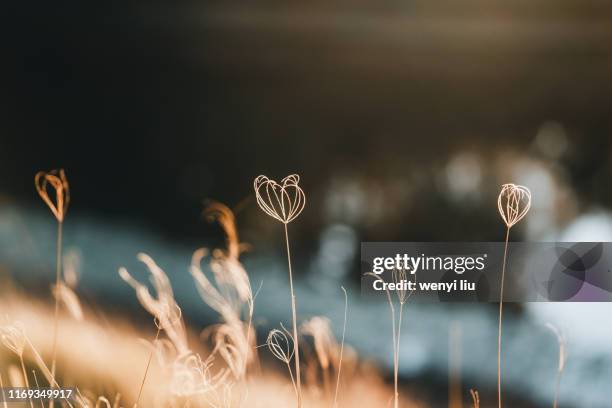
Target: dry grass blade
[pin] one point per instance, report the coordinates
(68, 297)
(164, 308)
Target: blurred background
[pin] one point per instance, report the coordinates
(402, 118)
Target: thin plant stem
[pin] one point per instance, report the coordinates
(397, 352)
(294, 318)
(38, 386)
(499, 327)
(341, 347)
(292, 379)
(3, 394)
(58, 271)
(25, 378)
(557, 388)
(144, 378)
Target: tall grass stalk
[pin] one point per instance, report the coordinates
(37, 386)
(296, 355)
(341, 347)
(144, 377)
(59, 183)
(284, 202)
(513, 204)
(454, 366)
(398, 275)
(4, 403)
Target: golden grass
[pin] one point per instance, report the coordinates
(111, 365)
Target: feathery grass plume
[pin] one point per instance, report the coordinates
(284, 202)
(164, 308)
(475, 398)
(14, 338)
(513, 204)
(231, 296)
(58, 182)
(319, 328)
(398, 275)
(190, 375)
(562, 358)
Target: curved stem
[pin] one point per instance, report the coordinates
(294, 318)
(144, 378)
(4, 403)
(557, 387)
(58, 271)
(397, 352)
(25, 378)
(499, 328)
(341, 347)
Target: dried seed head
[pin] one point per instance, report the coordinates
(400, 276)
(279, 346)
(284, 201)
(513, 203)
(59, 183)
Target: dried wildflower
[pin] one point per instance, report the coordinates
(59, 183)
(284, 202)
(279, 345)
(282, 346)
(513, 203)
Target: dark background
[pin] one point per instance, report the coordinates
(403, 119)
(153, 106)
